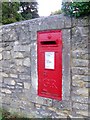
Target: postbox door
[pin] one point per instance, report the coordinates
(50, 71)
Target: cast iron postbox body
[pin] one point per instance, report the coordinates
(50, 64)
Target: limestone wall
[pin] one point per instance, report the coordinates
(18, 68)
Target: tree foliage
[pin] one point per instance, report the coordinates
(76, 9)
(10, 12)
(29, 10)
(19, 10)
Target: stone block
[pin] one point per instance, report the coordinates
(1, 49)
(80, 37)
(20, 69)
(23, 33)
(2, 74)
(6, 54)
(80, 77)
(27, 85)
(83, 21)
(18, 89)
(78, 83)
(5, 64)
(19, 83)
(80, 54)
(80, 99)
(9, 34)
(87, 85)
(0, 56)
(80, 70)
(9, 81)
(80, 106)
(83, 30)
(18, 55)
(7, 91)
(21, 48)
(23, 77)
(19, 62)
(82, 112)
(62, 105)
(26, 62)
(13, 75)
(81, 91)
(80, 63)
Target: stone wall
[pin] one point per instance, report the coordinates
(18, 68)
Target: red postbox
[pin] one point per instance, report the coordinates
(50, 64)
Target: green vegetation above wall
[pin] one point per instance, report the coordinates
(76, 9)
(17, 11)
(9, 12)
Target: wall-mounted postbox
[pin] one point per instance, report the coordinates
(50, 64)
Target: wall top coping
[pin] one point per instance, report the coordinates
(35, 20)
(62, 19)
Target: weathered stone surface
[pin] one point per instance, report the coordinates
(80, 106)
(20, 84)
(80, 77)
(19, 62)
(13, 82)
(9, 34)
(14, 75)
(66, 64)
(0, 56)
(83, 30)
(83, 22)
(9, 81)
(26, 62)
(82, 112)
(6, 55)
(21, 48)
(18, 55)
(62, 104)
(80, 63)
(1, 49)
(78, 83)
(81, 91)
(80, 99)
(20, 69)
(87, 85)
(26, 85)
(82, 54)
(7, 91)
(80, 70)
(22, 76)
(3, 74)
(34, 67)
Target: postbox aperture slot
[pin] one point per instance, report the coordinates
(48, 42)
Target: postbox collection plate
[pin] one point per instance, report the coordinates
(49, 61)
